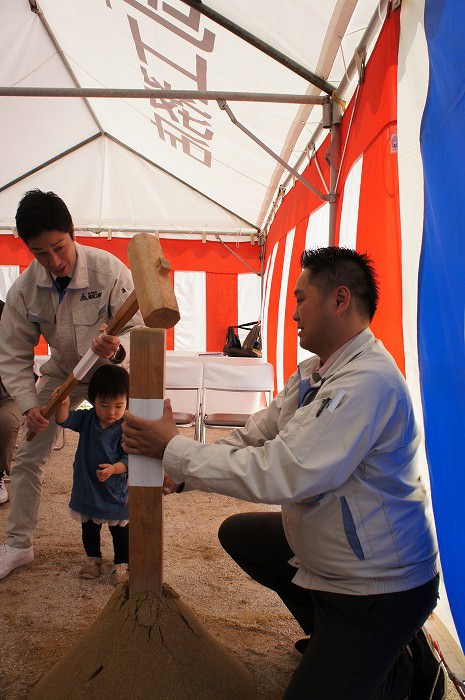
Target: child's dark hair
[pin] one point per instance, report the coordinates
(42, 211)
(108, 382)
(331, 267)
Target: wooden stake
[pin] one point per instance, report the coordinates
(147, 380)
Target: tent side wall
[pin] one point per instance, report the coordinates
(441, 298)
(368, 210)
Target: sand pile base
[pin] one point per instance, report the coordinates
(146, 647)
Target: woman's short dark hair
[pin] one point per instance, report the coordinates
(332, 267)
(108, 382)
(42, 211)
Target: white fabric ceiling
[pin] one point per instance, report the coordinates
(223, 181)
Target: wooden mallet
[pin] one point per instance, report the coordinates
(153, 296)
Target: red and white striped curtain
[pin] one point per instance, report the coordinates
(214, 289)
(367, 213)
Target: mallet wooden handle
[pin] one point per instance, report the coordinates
(115, 325)
(53, 404)
(125, 313)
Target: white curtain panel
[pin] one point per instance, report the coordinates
(8, 274)
(317, 236)
(350, 202)
(248, 300)
(318, 228)
(190, 332)
(266, 302)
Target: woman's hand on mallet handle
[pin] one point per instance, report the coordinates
(62, 411)
(55, 393)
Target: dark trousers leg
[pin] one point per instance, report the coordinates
(120, 536)
(256, 541)
(91, 538)
(356, 651)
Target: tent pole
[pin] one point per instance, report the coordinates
(149, 93)
(39, 12)
(269, 50)
(116, 229)
(274, 155)
(49, 162)
(333, 156)
(372, 27)
(244, 262)
(334, 169)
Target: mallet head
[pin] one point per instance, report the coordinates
(150, 273)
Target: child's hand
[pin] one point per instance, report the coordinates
(104, 471)
(55, 393)
(62, 408)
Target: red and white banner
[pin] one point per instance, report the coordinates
(213, 287)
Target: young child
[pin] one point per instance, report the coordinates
(100, 491)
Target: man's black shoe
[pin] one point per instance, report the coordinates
(429, 677)
(301, 645)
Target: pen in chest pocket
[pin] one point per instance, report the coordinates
(331, 403)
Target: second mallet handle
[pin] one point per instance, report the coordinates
(115, 325)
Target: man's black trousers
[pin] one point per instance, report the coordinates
(357, 646)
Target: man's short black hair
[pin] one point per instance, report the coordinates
(108, 382)
(42, 211)
(333, 267)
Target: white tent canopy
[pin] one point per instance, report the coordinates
(178, 166)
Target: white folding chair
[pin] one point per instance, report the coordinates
(183, 385)
(225, 382)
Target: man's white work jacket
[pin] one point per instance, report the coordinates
(98, 288)
(343, 467)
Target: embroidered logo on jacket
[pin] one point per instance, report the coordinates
(90, 295)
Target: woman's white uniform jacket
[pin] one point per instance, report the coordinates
(99, 286)
(343, 467)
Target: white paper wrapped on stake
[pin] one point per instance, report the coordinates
(85, 364)
(145, 471)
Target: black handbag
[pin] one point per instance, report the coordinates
(252, 345)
